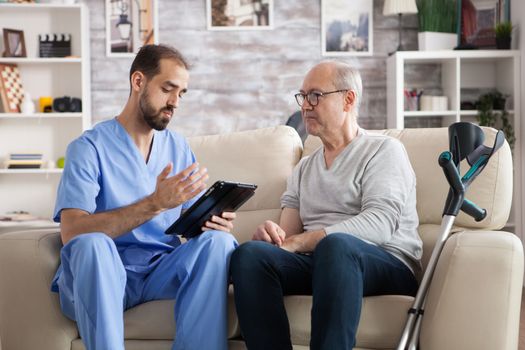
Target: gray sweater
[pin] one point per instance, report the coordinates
(369, 191)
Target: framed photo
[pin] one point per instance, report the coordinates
(478, 18)
(346, 27)
(14, 43)
(239, 14)
(130, 24)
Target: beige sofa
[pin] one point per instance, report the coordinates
(473, 302)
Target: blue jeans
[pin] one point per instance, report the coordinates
(338, 274)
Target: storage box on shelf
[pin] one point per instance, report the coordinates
(460, 76)
(34, 190)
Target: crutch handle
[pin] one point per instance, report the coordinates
(451, 172)
(473, 210)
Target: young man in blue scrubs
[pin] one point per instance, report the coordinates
(125, 181)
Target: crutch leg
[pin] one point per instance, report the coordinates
(415, 312)
(414, 339)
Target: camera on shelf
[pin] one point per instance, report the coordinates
(67, 104)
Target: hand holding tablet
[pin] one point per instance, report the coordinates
(223, 196)
(223, 222)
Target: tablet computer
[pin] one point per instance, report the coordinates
(222, 196)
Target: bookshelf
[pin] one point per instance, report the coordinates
(34, 190)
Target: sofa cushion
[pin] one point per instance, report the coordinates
(239, 345)
(429, 235)
(492, 190)
(265, 157)
(154, 320)
(382, 320)
(133, 344)
(167, 345)
(475, 295)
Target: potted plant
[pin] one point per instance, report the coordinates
(437, 24)
(503, 35)
(492, 112)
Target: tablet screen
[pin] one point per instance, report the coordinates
(222, 196)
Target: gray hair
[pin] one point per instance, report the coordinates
(347, 77)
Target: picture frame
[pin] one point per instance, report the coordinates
(14, 43)
(239, 14)
(478, 19)
(347, 29)
(130, 24)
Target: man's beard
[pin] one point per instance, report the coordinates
(155, 119)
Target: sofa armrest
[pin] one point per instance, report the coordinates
(30, 315)
(475, 296)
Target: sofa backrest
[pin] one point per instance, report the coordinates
(492, 190)
(265, 157)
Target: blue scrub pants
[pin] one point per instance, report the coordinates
(340, 272)
(95, 287)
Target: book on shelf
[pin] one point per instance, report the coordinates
(24, 164)
(25, 156)
(24, 161)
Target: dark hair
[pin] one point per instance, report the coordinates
(149, 56)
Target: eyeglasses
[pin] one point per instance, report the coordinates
(313, 97)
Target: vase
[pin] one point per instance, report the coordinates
(27, 106)
(499, 103)
(430, 41)
(503, 43)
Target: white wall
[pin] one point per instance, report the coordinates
(518, 42)
(517, 14)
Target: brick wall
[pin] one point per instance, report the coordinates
(244, 80)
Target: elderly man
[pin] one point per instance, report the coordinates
(348, 225)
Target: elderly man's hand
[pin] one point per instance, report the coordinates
(295, 243)
(220, 223)
(269, 232)
(303, 242)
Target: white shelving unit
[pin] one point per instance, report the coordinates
(34, 190)
(41, 115)
(462, 74)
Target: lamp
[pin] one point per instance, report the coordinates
(399, 7)
(124, 27)
(123, 24)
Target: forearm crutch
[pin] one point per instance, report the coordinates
(466, 141)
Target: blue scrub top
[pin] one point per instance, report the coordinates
(104, 170)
